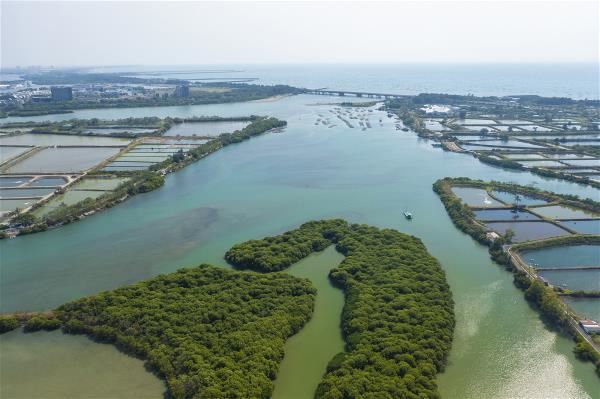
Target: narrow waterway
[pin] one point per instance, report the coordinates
(308, 352)
(275, 182)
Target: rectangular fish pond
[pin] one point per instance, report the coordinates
(47, 182)
(9, 205)
(61, 139)
(25, 192)
(71, 197)
(475, 197)
(588, 308)
(214, 128)
(542, 164)
(588, 280)
(504, 214)
(563, 256)
(564, 212)
(526, 231)
(523, 156)
(92, 183)
(7, 153)
(583, 226)
(55, 160)
(14, 181)
(510, 198)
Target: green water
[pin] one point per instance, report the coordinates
(275, 182)
(54, 365)
(308, 352)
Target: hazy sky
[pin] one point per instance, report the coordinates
(125, 33)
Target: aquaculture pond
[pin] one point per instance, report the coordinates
(509, 143)
(14, 181)
(53, 365)
(475, 197)
(179, 141)
(119, 130)
(585, 307)
(541, 164)
(61, 139)
(583, 226)
(65, 160)
(568, 155)
(108, 183)
(25, 192)
(583, 162)
(564, 212)
(151, 158)
(7, 153)
(523, 156)
(504, 214)
(474, 122)
(48, 181)
(71, 197)
(308, 172)
(564, 256)
(525, 231)
(7, 205)
(535, 128)
(205, 128)
(588, 280)
(509, 198)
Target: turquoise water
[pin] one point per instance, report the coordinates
(275, 182)
(565, 256)
(205, 128)
(63, 160)
(475, 197)
(504, 214)
(585, 307)
(583, 226)
(573, 280)
(525, 231)
(564, 212)
(509, 198)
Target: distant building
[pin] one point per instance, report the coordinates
(40, 99)
(182, 91)
(61, 93)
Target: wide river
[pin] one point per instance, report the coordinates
(271, 184)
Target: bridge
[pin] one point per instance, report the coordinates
(363, 94)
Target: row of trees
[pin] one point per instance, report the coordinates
(398, 318)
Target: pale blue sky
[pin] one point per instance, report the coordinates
(159, 33)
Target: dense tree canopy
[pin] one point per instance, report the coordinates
(210, 332)
(398, 319)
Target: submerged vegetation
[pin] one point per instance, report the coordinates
(398, 319)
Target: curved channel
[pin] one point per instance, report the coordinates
(308, 352)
